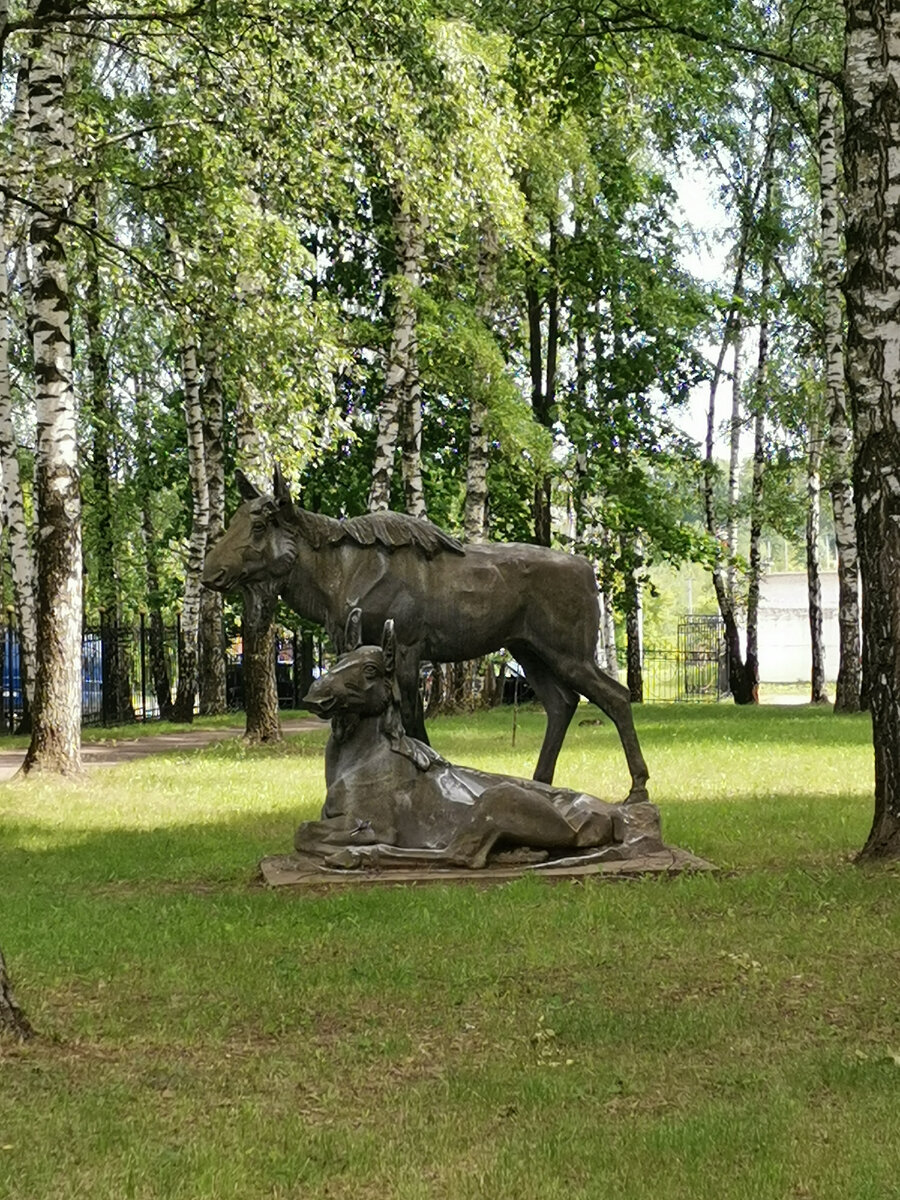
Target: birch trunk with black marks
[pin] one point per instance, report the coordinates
(212, 684)
(193, 419)
(20, 547)
(760, 380)
(735, 425)
(251, 449)
(872, 185)
(475, 512)
(411, 444)
(740, 686)
(813, 567)
(840, 432)
(543, 376)
(742, 680)
(56, 719)
(399, 378)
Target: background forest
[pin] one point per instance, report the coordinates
(428, 257)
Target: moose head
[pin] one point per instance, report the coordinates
(260, 541)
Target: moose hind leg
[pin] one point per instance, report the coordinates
(613, 699)
(559, 701)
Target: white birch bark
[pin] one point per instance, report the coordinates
(813, 569)
(20, 551)
(212, 677)
(475, 511)
(193, 419)
(409, 242)
(840, 432)
(871, 90)
(734, 455)
(56, 737)
(251, 449)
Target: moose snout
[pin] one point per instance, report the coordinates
(319, 699)
(214, 577)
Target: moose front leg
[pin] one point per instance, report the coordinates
(412, 710)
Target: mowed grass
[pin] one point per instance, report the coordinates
(735, 1035)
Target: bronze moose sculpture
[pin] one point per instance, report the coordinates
(393, 802)
(449, 603)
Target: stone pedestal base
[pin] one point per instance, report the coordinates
(295, 870)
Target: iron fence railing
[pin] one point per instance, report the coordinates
(120, 670)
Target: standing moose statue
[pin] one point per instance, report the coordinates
(449, 603)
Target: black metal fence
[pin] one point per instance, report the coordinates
(119, 684)
(119, 681)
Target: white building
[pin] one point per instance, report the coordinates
(784, 639)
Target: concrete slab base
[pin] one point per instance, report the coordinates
(305, 874)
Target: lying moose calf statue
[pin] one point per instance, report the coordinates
(393, 802)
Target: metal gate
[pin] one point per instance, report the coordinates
(703, 658)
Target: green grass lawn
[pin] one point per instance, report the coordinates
(729, 1036)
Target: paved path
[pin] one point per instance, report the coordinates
(112, 753)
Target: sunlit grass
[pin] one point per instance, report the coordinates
(731, 1036)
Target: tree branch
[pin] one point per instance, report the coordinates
(643, 22)
(164, 281)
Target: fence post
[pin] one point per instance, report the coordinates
(296, 698)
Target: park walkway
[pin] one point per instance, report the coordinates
(121, 750)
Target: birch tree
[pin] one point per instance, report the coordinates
(188, 678)
(840, 433)
(871, 89)
(56, 737)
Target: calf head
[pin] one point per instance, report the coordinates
(363, 681)
(259, 544)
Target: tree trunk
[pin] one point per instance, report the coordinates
(872, 174)
(734, 455)
(543, 378)
(398, 380)
(213, 696)
(56, 736)
(760, 381)
(742, 676)
(411, 459)
(840, 433)
(193, 417)
(260, 684)
(475, 513)
(20, 551)
(634, 651)
(813, 573)
(12, 1018)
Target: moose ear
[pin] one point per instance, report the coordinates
(389, 647)
(353, 630)
(279, 487)
(245, 487)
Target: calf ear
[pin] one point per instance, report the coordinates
(353, 630)
(279, 487)
(245, 487)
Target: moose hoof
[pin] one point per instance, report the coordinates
(638, 795)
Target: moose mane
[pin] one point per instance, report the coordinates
(389, 530)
